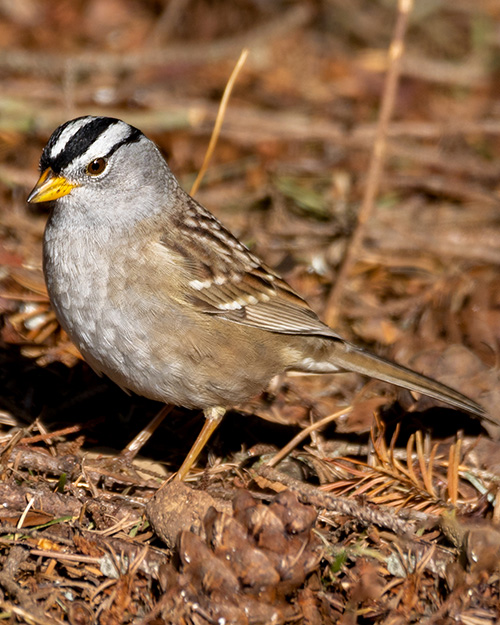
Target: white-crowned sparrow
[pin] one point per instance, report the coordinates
(160, 297)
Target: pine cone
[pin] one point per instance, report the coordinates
(250, 563)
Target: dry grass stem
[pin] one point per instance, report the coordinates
(219, 120)
(301, 436)
(376, 162)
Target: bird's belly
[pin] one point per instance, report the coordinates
(188, 371)
(143, 341)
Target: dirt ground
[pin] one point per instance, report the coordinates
(359, 156)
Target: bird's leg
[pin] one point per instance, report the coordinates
(132, 449)
(213, 416)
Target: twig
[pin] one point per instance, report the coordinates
(22, 518)
(167, 22)
(453, 470)
(219, 119)
(376, 162)
(378, 515)
(296, 440)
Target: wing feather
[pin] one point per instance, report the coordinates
(222, 277)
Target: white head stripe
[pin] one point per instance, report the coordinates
(104, 143)
(67, 134)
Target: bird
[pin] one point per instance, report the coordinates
(160, 297)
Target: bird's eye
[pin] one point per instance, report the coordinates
(96, 167)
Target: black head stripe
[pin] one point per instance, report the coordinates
(80, 142)
(45, 159)
(133, 137)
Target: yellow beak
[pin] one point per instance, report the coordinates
(50, 187)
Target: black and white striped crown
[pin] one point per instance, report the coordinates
(79, 140)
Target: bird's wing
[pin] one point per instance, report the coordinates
(222, 277)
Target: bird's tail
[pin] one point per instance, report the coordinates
(352, 358)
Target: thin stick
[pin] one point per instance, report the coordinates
(453, 470)
(380, 515)
(167, 22)
(220, 118)
(304, 434)
(376, 161)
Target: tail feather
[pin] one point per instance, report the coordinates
(352, 358)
